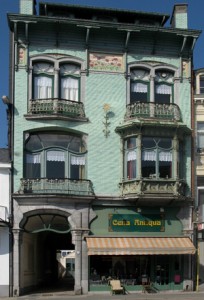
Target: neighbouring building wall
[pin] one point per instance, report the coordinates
(4, 229)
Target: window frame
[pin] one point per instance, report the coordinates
(152, 69)
(67, 158)
(57, 62)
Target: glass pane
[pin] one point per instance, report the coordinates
(55, 140)
(200, 140)
(70, 88)
(201, 84)
(77, 172)
(131, 143)
(165, 169)
(165, 143)
(162, 270)
(32, 170)
(148, 142)
(162, 99)
(200, 126)
(131, 169)
(33, 143)
(55, 169)
(148, 168)
(42, 87)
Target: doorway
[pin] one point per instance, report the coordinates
(43, 238)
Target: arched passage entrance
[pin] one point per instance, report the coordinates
(45, 239)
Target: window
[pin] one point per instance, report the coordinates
(55, 155)
(130, 149)
(156, 157)
(56, 79)
(139, 85)
(43, 80)
(163, 87)
(151, 85)
(200, 135)
(69, 81)
(202, 84)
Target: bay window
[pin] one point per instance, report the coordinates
(55, 156)
(156, 155)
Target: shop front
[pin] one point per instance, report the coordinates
(149, 259)
(137, 262)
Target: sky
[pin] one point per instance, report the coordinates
(195, 21)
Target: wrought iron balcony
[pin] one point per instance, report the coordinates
(169, 112)
(56, 186)
(55, 106)
(145, 186)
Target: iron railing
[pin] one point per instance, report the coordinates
(56, 106)
(153, 110)
(56, 186)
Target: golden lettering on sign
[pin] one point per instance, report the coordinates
(147, 223)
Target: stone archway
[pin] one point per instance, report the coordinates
(42, 234)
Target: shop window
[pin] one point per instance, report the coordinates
(55, 155)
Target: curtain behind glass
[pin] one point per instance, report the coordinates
(42, 87)
(70, 89)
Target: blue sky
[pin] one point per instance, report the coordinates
(195, 21)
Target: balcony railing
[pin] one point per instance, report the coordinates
(166, 187)
(169, 112)
(56, 186)
(56, 106)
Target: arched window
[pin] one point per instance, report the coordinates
(55, 155)
(70, 81)
(164, 87)
(139, 86)
(43, 78)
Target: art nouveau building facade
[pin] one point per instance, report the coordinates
(102, 146)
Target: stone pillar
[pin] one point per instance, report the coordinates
(16, 261)
(85, 266)
(78, 262)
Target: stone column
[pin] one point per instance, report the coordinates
(78, 262)
(85, 266)
(17, 235)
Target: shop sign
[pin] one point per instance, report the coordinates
(136, 222)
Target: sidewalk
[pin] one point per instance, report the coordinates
(106, 296)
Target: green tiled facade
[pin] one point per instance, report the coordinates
(83, 154)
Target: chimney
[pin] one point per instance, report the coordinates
(27, 7)
(179, 17)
